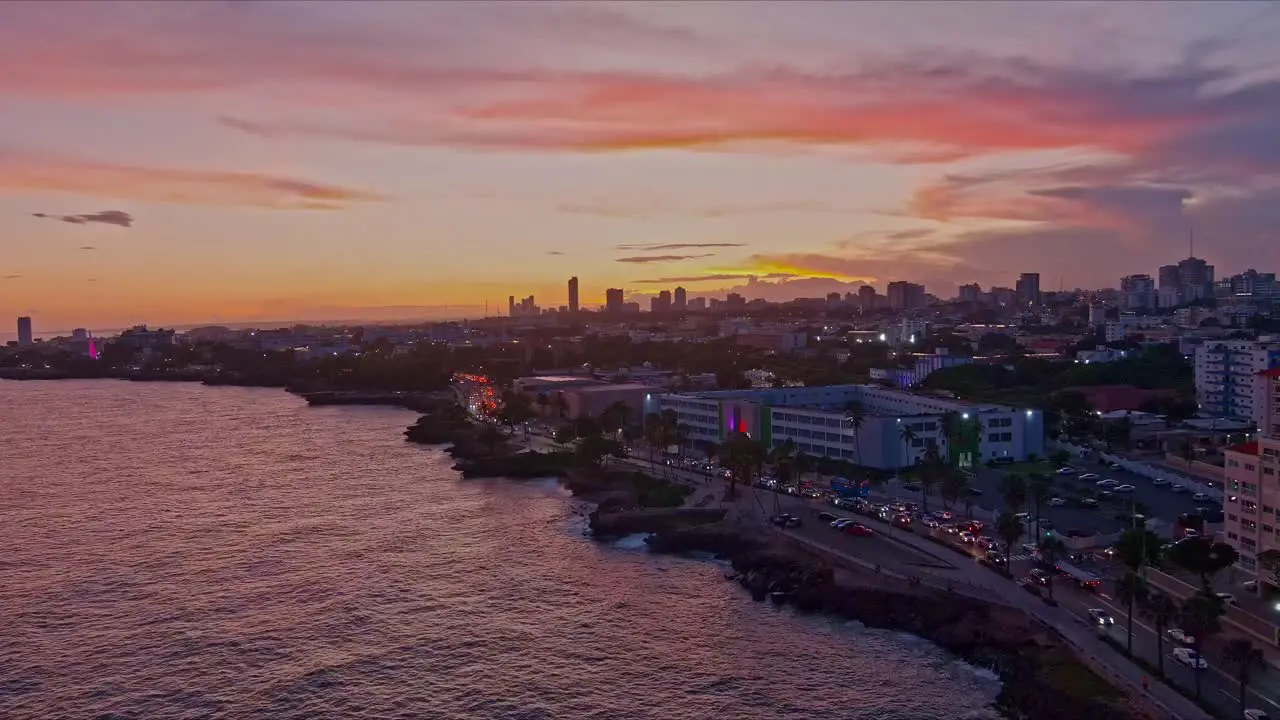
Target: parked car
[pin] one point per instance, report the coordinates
(1057, 502)
(1108, 482)
(1178, 488)
(1256, 714)
(786, 520)
(1199, 497)
(1101, 617)
(1178, 636)
(1067, 471)
(1124, 488)
(1190, 658)
(1090, 476)
(1227, 598)
(858, 530)
(1089, 502)
(974, 491)
(1161, 482)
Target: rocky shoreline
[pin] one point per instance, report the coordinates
(1042, 678)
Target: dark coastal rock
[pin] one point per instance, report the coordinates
(525, 465)
(1042, 678)
(618, 524)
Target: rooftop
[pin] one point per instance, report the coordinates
(1249, 448)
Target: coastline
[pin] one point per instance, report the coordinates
(1041, 675)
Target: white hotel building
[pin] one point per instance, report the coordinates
(816, 419)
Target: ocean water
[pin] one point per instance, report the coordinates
(177, 551)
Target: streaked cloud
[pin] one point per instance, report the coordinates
(86, 247)
(105, 217)
(659, 258)
(25, 172)
(710, 278)
(677, 246)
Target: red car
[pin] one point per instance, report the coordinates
(858, 530)
(972, 526)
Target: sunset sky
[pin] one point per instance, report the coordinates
(193, 162)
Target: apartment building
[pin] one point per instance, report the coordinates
(1227, 377)
(819, 421)
(1251, 483)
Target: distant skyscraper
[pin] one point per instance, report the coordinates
(905, 295)
(511, 306)
(25, 337)
(698, 304)
(867, 297)
(1137, 292)
(573, 294)
(661, 303)
(681, 299)
(970, 293)
(1028, 289)
(1195, 279)
(735, 301)
(613, 300)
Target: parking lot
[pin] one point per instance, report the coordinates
(1111, 513)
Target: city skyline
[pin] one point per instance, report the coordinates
(189, 163)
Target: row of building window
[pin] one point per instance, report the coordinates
(1000, 437)
(1000, 422)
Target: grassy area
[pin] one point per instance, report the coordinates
(1063, 671)
(1043, 467)
(657, 492)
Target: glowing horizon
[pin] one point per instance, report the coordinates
(187, 163)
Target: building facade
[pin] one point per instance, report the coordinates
(819, 422)
(573, 294)
(1028, 289)
(613, 300)
(25, 336)
(1227, 380)
(1251, 485)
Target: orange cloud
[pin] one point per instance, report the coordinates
(21, 172)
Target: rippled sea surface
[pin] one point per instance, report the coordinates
(177, 551)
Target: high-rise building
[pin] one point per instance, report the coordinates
(698, 304)
(866, 298)
(25, 336)
(735, 301)
(681, 299)
(511, 306)
(1003, 296)
(905, 295)
(1250, 284)
(1137, 292)
(613, 300)
(970, 293)
(1250, 486)
(1195, 279)
(661, 303)
(573, 294)
(1028, 289)
(1226, 374)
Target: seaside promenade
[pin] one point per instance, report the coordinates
(901, 555)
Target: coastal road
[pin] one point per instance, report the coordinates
(1218, 688)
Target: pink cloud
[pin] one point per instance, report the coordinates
(21, 172)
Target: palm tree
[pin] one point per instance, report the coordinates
(543, 401)
(1038, 486)
(907, 436)
(1013, 489)
(741, 455)
(1051, 549)
(1009, 529)
(1131, 590)
(953, 484)
(1135, 549)
(783, 458)
(1162, 611)
(949, 421)
(615, 416)
(1244, 658)
(653, 433)
(491, 436)
(1200, 615)
(933, 470)
(857, 417)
